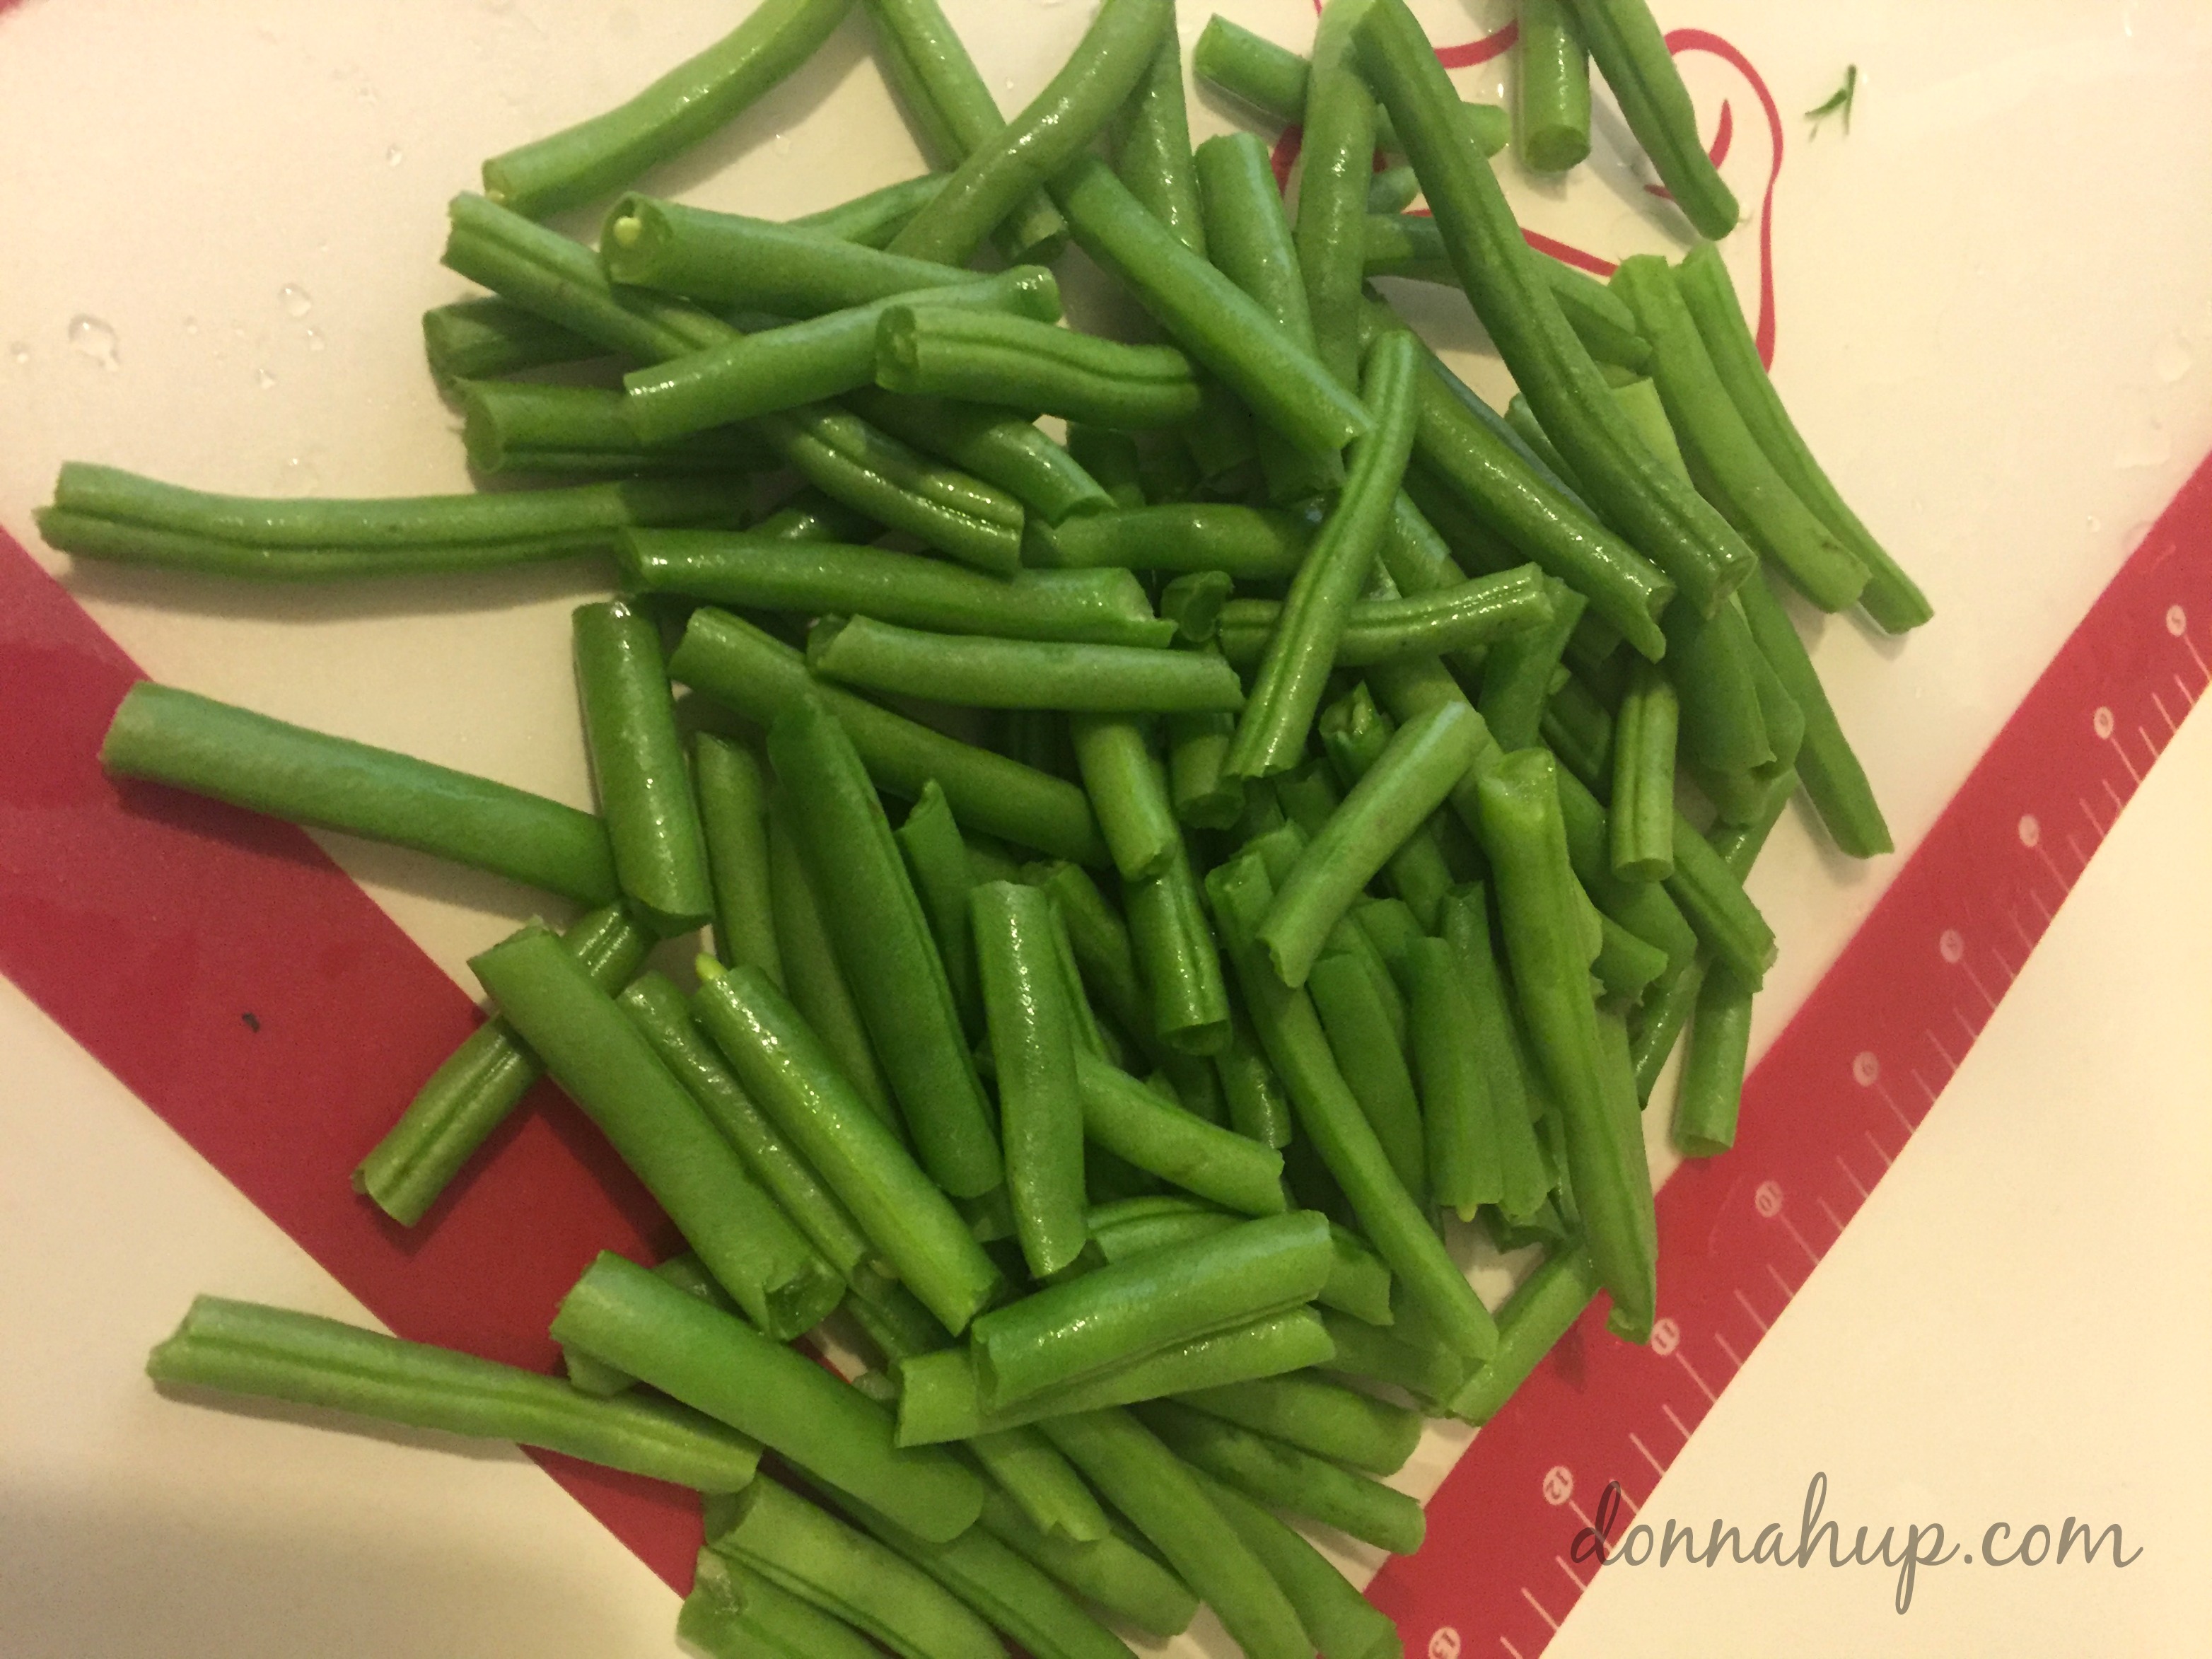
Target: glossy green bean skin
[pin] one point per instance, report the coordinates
(1371, 1055)
(1103, 606)
(515, 427)
(1632, 56)
(979, 671)
(1713, 1069)
(1339, 1621)
(1552, 101)
(756, 265)
(1517, 679)
(1291, 1033)
(733, 793)
(1720, 447)
(1100, 940)
(1287, 690)
(1357, 1282)
(759, 676)
(1526, 844)
(1258, 1107)
(1334, 165)
(1711, 662)
(872, 219)
(479, 339)
(1425, 1369)
(1203, 795)
(733, 1612)
(1051, 1494)
(1277, 1473)
(1502, 276)
(1522, 419)
(1127, 791)
(998, 173)
(1433, 624)
(784, 1067)
(1031, 1021)
(482, 1080)
(926, 349)
(1132, 1122)
(1109, 1571)
(605, 1064)
(1176, 955)
(718, 1364)
(638, 765)
(1224, 329)
(1650, 909)
(1643, 803)
(244, 1348)
(1832, 775)
(570, 167)
(1415, 774)
(1151, 145)
(1890, 597)
(190, 742)
(884, 944)
(1162, 1498)
(1317, 1416)
(1392, 189)
(943, 878)
(803, 362)
(1356, 735)
(1530, 1324)
(1465, 1163)
(1247, 543)
(999, 447)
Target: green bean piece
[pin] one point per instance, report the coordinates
(1201, 310)
(718, 1364)
(734, 816)
(946, 95)
(1718, 444)
(1291, 676)
(1103, 606)
(1890, 597)
(892, 1318)
(1151, 146)
(784, 1066)
(1713, 1069)
(1109, 1571)
(1002, 170)
(1493, 1030)
(1392, 189)
(977, 671)
(1129, 1120)
(685, 1271)
(609, 1068)
(479, 339)
(1050, 1493)
(999, 446)
(1650, 909)
(1414, 775)
(802, 362)
(1356, 735)
(1335, 163)
(1524, 836)
(1503, 278)
(872, 219)
(1247, 543)
(1425, 1369)
(638, 764)
(1290, 1032)
(1124, 784)
(1834, 778)
(941, 1397)
(1625, 965)
(1466, 1166)
(1578, 730)
(1633, 57)
(928, 349)
(1370, 1057)
(570, 167)
(1642, 806)
(733, 1613)
(482, 1080)
(241, 1348)
(1275, 1473)
(1111, 459)
(1647, 412)
(1317, 1416)
(1258, 1107)
(1202, 795)
(190, 742)
(944, 877)
(527, 427)
(1522, 419)
(759, 676)
(1140, 1477)
(1177, 957)
(1032, 1027)
(1357, 1284)
(1100, 941)
(1517, 679)
(810, 1554)
(1530, 1324)
(884, 946)
(1337, 1620)
(808, 515)
(1420, 565)
(756, 265)
(1552, 105)
(1710, 660)
(1449, 619)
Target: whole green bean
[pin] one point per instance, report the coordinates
(1290, 1032)
(1293, 674)
(1326, 1418)
(805, 361)
(643, 780)
(241, 1348)
(1109, 1571)
(730, 259)
(477, 339)
(1452, 619)
(1526, 844)
(482, 1080)
(1425, 1369)
(871, 219)
(999, 447)
(1129, 1120)
(1466, 1162)
(1502, 276)
(733, 1613)
(1163, 1499)
(1719, 445)
(944, 877)
(1276, 1473)
(1127, 791)
(194, 743)
(718, 1364)
(1151, 142)
(1335, 163)
(526, 426)
(1258, 1107)
(1530, 1324)
(1634, 59)
(567, 169)
(813, 1555)
(783, 1065)
(1339, 1621)
(1890, 596)
(978, 671)
(737, 664)
(1177, 957)
(1247, 543)
(1552, 105)
(1517, 679)
(1834, 778)
(1001, 172)
(1372, 1058)
(1642, 806)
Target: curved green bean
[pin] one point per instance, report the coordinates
(1276, 1473)
(929, 348)
(978, 671)
(1633, 57)
(1132, 1122)
(755, 265)
(1247, 543)
(1176, 955)
(1392, 189)
(241, 1348)
(1551, 102)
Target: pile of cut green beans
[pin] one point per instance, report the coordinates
(1168, 871)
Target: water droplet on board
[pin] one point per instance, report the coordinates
(393, 156)
(315, 341)
(265, 379)
(96, 339)
(298, 477)
(2172, 360)
(2152, 449)
(298, 302)
(20, 352)
(192, 325)
(782, 143)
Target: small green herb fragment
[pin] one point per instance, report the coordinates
(1838, 104)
